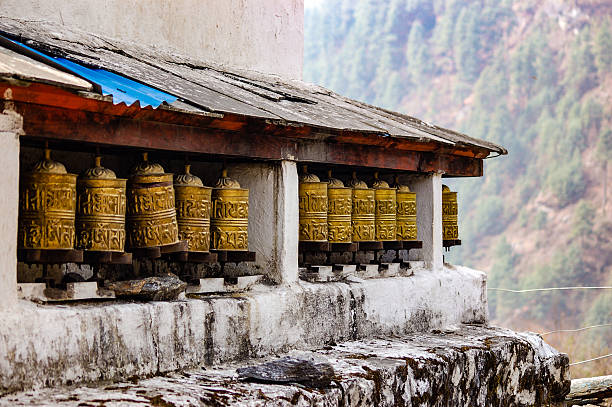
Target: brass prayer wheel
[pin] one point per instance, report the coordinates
(385, 215)
(229, 223)
(450, 227)
(339, 207)
(151, 214)
(363, 211)
(312, 195)
(193, 202)
(406, 223)
(101, 201)
(47, 206)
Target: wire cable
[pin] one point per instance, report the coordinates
(549, 289)
(575, 330)
(591, 360)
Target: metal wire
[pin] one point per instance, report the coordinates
(591, 360)
(576, 330)
(550, 289)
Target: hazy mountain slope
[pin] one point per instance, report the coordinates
(532, 75)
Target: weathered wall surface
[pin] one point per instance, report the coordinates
(10, 128)
(260, 35)
(52, 345)
(471, 366)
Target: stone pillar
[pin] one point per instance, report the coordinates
(273, 216)
(10, 129)
(429, 217)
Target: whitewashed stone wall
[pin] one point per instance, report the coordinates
(259, 35)
(10, 129)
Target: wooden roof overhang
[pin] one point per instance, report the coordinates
(74, 117)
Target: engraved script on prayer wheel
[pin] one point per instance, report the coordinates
(313, 208)
(363, 211)
(193, 202)
(101, 202)
(151, 215)
(385, 215)
(450, 228)
(406, 223)
(47, 205)
(229, 223)
(339, 207)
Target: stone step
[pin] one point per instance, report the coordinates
(468, 366)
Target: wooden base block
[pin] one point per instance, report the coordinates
(155, 252)
(314, 247)
(343, 247)
(370, 245)
(451, 243)
(224, 256)
(93, 257)
(50, 256)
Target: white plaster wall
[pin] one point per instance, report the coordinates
(10, 128)
(51, 345)
(273, 216)
(260, 35)
(428, 188)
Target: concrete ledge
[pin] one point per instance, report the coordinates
(471, 366)
(61, 344)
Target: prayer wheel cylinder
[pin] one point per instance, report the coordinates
(193, 202)
(47, 206)
(363, 211)
(339, 207)
(385, 215)
(450, 227)
(101, 202)
(229, 223)
(406, 224)
(312, 195)
(151, 214)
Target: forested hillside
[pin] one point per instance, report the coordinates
(532, 75)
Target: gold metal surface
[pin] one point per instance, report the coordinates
(363, 211)
(151, 214)
(339, 207)
(406, 223)
(193, 203)
(47, 206)
(450, 228)
(312, 195)
(385, 215)
(229, 223)
(101, 202)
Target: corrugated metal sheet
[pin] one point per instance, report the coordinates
(122, 89)
(214, 89)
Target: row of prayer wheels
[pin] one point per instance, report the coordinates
(332, 212)
(99, 212)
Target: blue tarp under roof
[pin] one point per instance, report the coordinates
(122, 89)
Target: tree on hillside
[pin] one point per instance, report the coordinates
(466, 44)
(604, 154)
(603, 48)
(418, 60)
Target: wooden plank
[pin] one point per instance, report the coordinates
(412, 244)
(224, 256)
(344, 247)
(451, 242)
(45, 256)
(146, 252)
(370, 245)
(590, 388)
(393, 245)
(94, 257)
(314, 247)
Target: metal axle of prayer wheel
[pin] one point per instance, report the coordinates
(450, 227)
(312, 208)
(339, 207)
(229, 223)
(406, 224)
(363, 211)
(47, 206)
(151, 214)
(385, 215)
(101, 202)
(193, 202)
